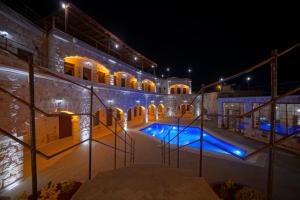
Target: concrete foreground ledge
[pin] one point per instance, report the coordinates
(146, 182)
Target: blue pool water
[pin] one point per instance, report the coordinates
(279, 128)
(191, 134)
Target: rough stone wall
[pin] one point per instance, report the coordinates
(61, 45)
(26, 35)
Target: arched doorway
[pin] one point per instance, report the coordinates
(136, 116)
(179, 89)
(152, 112)
(68, 124)
(86, 68)
(148, 85)
(124, 79)
(186, 109)
(161, 111)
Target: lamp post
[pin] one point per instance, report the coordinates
(189, 72)
(66, 6)
(168, 71)
(248, 79)
(153, 67)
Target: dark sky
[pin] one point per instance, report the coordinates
(214, 40)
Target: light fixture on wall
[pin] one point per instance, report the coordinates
(116, 46)
(135, 58)
(3, 33)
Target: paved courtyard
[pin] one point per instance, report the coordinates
(73, 165)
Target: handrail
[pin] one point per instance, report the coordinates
(15, 138)
(278, 142)
(270, 102)
(57, 114)
(66, 79)
(250, 69)
(61, 151)
(110, 146)
(245, 114)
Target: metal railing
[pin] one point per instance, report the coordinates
(272, 143)
(31, 104)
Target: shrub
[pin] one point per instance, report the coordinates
(247, 193)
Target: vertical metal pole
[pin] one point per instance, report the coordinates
(272, 119)
(164, 150)
(131, 152)
(201, 131)
(125, 156)
(32, 130)
(91, 134)
(286, 119)
(169, 147)
(178, 143)
(115, 150)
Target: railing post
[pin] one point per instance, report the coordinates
(32, 131)
(125, 150)
(169, 147)
(131, 152)
(272, 120)
(91, 134)
(162, 152)
(115, 147)
(164, 149)
(178, 142)
(201, 131)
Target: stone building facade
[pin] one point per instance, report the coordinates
(123, 88)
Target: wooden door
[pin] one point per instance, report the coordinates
(109, 113)
(65, 126)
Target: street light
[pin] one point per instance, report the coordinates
(162, 75)
(248, 79)
(135, 58)
(221, 79)
(189, 70)
(65, 6)
(116, 46)
(168, 71)
(153, 67)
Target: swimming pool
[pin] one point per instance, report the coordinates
(191, 134)
(279, 128)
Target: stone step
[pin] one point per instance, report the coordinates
(146, 182)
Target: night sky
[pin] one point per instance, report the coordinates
(214, 40)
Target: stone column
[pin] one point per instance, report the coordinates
(125, 120)
(190, 90)
(220, 112)
(156, 113)
(139, 80)
(146, 114)
(111, 79)
(168, 87)
(248, 120)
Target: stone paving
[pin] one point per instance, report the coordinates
(74, 165)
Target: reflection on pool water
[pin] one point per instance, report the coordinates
(279, 128)
(191, 134)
